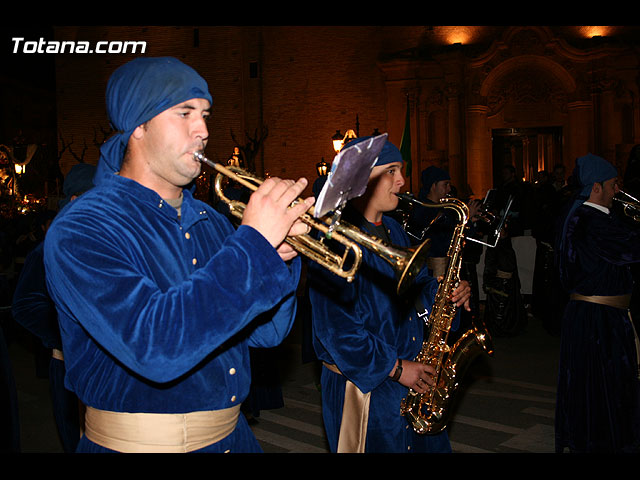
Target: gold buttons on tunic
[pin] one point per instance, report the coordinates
(233, 398)
(232, 371)
(187, 235)
(194, 261)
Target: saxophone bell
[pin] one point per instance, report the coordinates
(429, 413)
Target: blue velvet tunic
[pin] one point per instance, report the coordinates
(363, 327)
(157, 311)
(440, 232)
(32, 307)
(598, 398)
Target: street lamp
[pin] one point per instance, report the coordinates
(339, 141)
(322, 168)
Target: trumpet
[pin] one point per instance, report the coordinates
(406, 262)
(630, 205)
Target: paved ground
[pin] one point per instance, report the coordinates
(506, 404)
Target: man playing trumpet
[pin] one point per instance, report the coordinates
(598, 397)
(155, 337)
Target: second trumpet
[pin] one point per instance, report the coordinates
(406, 262)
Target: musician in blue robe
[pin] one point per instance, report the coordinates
(159, 298)
(33, 308)
(436, 224)
(367, 336)
(598, 395)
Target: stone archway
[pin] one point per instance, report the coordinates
(527, 96)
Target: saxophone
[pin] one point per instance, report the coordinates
(428, 413)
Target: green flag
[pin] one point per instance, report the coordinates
(405, 143)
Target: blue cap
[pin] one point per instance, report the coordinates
(431, 175)
(78, 180)
(591, 169)
(388, 154)
(138, 91)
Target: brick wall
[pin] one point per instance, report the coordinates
(311, 81)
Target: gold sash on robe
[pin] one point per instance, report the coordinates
(438, 265)
(355, 417)
(617, 301)
(159, 432)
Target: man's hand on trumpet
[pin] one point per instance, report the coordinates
(270, 212)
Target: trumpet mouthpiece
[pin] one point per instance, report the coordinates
(404, 196)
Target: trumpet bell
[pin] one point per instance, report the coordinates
(414, 260)
(630, 205)
(406, 262)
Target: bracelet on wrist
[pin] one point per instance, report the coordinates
(398, 372)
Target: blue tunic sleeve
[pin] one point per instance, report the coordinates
(32, 306)
(158, 294)
(598, 251)
(363, 327)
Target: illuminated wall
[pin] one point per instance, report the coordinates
(293, 87)
(525, 82)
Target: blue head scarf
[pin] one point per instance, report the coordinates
(429, 176)
(589, 170)
(78, 180)
(388, 154)
(138, 91)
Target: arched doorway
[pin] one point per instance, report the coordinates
(527, 115)
(529, 150)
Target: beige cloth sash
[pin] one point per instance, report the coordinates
(159, 432)
(618, 301)
(503, 274)
(355, 417)
(438, 265)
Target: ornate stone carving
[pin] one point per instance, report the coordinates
(526, 86)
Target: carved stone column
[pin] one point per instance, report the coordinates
(456, 162)
(411, 101)
(580, 134)
(607, 121)
(479, 162)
